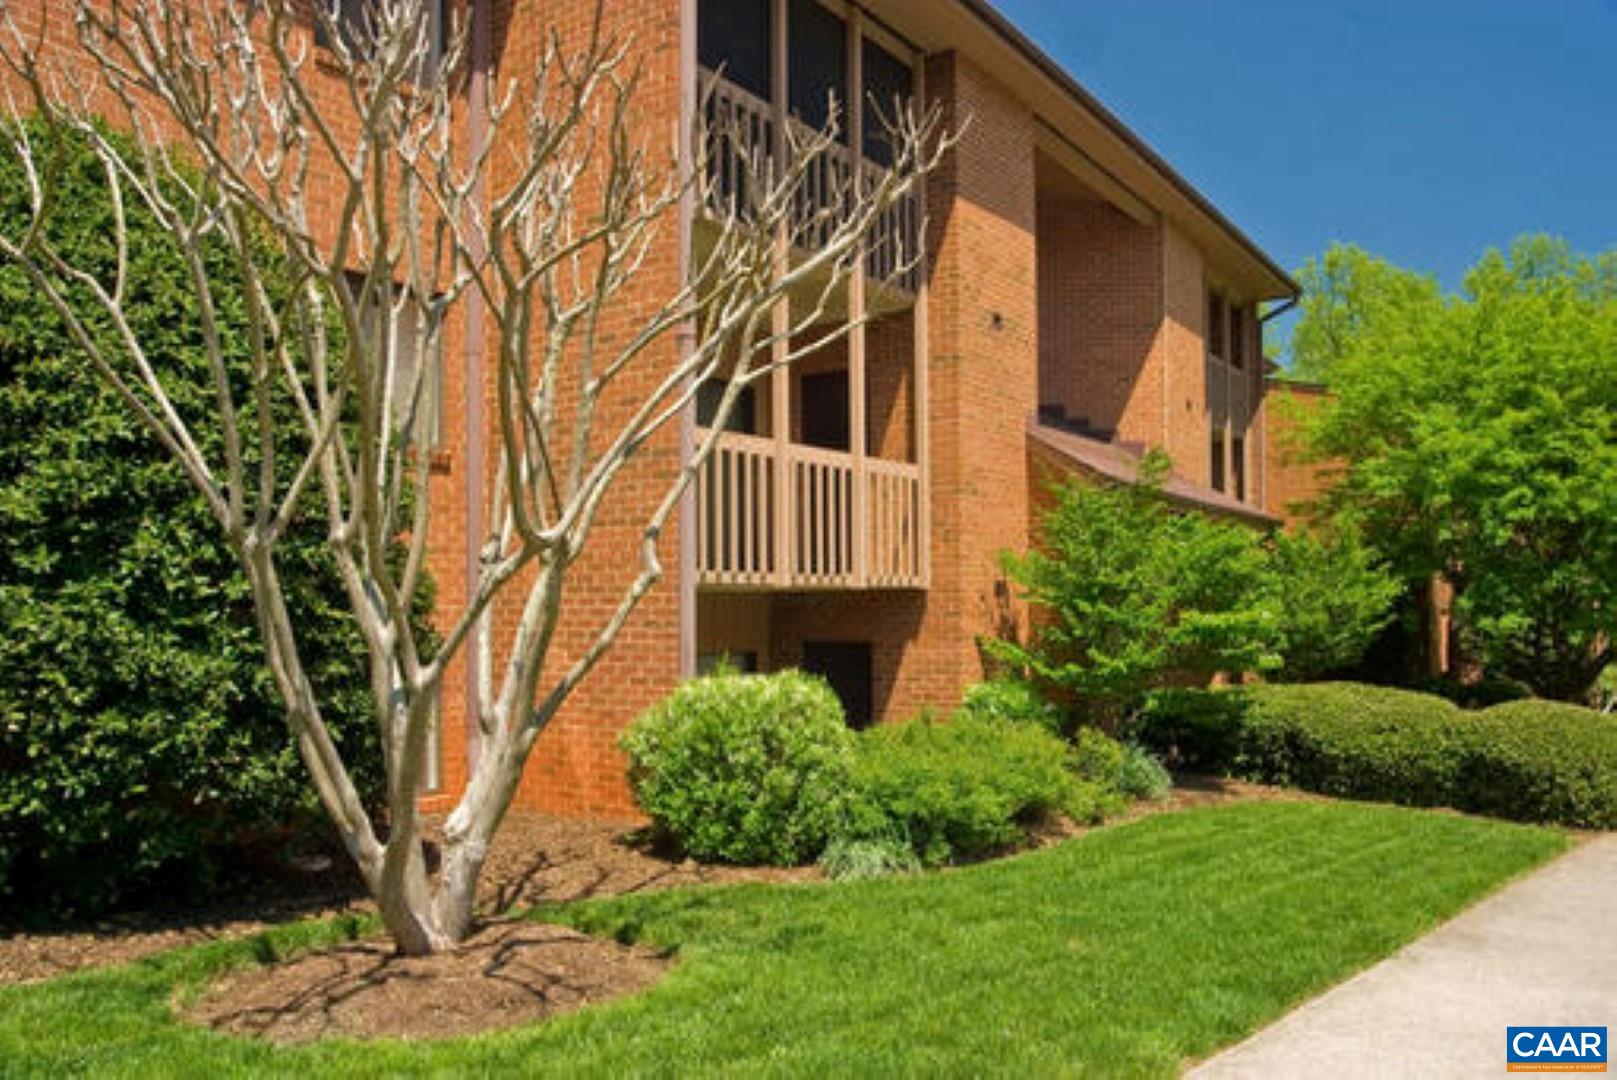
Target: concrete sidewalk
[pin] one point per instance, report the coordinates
(1543, 951)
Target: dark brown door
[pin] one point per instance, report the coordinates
(846, 666)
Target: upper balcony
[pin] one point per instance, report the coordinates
(773, 67)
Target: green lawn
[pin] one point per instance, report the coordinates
(1124, 952)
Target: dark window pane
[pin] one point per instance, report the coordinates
(1215, 324)
(1218, 459)
(818, 67)
(734, 35)
(825, 410)
(888, 83)
(743, 414)
(1238, 466)
(1237, 336)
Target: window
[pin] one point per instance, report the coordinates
(888, 86)
(1215, 323)
(1238, 466)
(354, 21)
(818, 67)
(1238, 333)
(1217, 470)
(734, 36)
(425, 426)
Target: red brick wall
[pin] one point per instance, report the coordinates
(1100, 306)
(1290, 484)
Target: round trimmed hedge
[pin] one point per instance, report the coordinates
(1526, 760)
(744, 768)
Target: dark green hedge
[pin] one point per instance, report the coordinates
(141, 741)
(1526, 760)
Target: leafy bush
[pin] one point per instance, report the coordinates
(744, 768)
(1543, 761)
(1134, 593)
(1126, 770)
(861, 860)
(1143, 776)
(141, 739)
(1013, 700)
(962, 788)
(1195, 730)
(1526, 760)
(1335, 597)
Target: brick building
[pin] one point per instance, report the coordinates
(1078, 303)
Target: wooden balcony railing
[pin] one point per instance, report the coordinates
(740, 144)
(747, 516)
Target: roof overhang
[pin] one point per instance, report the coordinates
(1088, 137)
(1112, 463)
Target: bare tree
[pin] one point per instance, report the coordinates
(238, 144)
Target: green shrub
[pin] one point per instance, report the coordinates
(1135, 593)
(1526, 760)
(962, 788)
(744, 768)
(1128, 771)
(1542, 761)
(1010, 699)
(1194, 730)
(1143, 776)
(861, 860)
(141, 739)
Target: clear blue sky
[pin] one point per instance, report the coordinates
(1423, 130)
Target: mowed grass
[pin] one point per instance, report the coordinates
(1125, 952)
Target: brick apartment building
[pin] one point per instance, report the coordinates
(1078, 303)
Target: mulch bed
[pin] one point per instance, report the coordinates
(535, 858)
(508, 974)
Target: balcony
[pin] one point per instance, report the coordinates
(741, 144)
(780, 515)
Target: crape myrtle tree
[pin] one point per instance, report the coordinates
(232, 148)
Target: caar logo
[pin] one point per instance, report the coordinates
(1555, 1049)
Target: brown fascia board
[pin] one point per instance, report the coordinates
(1279, 284)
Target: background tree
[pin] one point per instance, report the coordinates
(1347, 293)
(1480, 436)
(234, 150)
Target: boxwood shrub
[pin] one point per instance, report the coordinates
(966, 787)
(1525, 760)
(744, 768)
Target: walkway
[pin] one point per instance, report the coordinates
(1543, 951)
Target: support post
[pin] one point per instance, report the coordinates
(920, 358)
(780, 378)
(860, 509)
(686, 335)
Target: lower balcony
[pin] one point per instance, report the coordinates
(781, 515)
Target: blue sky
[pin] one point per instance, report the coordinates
(1423, 130)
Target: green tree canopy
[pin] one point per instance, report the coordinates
(1480, 436)
(1347, 294)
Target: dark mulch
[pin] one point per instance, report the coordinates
(509, 973)
(535, 858)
